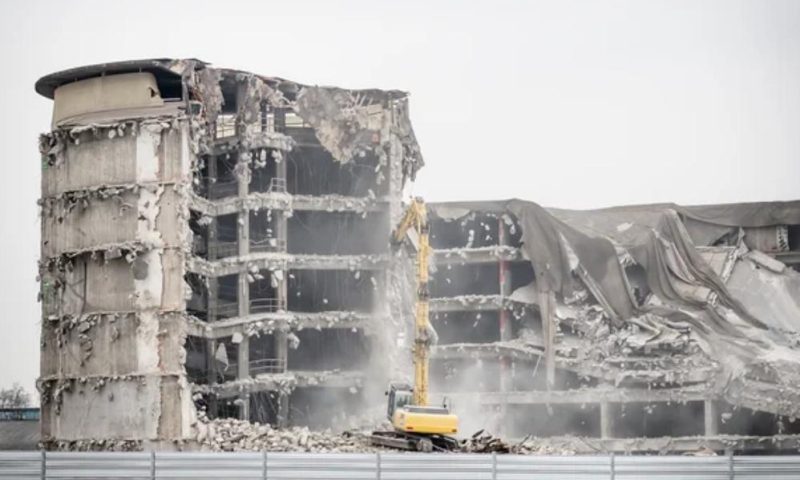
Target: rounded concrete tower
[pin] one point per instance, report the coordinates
(116, 174)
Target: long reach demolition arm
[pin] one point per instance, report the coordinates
(416, 219)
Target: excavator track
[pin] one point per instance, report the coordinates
(412, 442)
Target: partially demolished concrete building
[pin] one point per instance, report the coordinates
(212, 238)
(216, 241)
(643, 328)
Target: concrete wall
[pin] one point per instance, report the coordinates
(134, 153)
(112, 345)
(99, 222)
(113, 253)
(145, 409)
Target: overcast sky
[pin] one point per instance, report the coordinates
(567, 103)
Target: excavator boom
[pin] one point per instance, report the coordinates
(418, 425)
(416, 219)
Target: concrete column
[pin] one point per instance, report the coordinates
(280, 169)
(243, 372)
(505, 284)
(283, 410)
(282, 292)
(212, 227)
(281, 222)
(243, 232)
(211, 247)
(211, 372)
(213, 299)
(243, 184)
(547, 312)
(243, 238)
(243, 295)
(280, 120)
(213, 238)
(711, 418)
(241, 109)
(281, 228)
(606, 420)
(504, 323)
(395, 169)
(282, 354)
(243, 221)
(243, 358)
(281, 231)
(212, 171)
(281, 347)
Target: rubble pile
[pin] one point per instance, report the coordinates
(98, 445)
(230, 435)
(536, 446)
(484, 442)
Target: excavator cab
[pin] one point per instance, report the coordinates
(400, 395)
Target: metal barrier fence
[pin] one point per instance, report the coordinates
(388, 466)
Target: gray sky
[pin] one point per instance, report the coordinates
(575, 104)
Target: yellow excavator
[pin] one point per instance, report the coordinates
(417, 425)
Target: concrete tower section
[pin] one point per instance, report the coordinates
(213, 239)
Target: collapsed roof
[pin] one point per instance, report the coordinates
(662, 296)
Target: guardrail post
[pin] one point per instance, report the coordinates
(378, 472)
(152, 465)
(44, 465)
(731, 472)
(613, 466)
(494, 465)
(264, 464)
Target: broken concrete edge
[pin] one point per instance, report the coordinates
(269, 323)
(52, 145)
(284, 261)
(284, 382)
(527, 352)
(477, 303)
(593, 395)
(476, 255)
(52, 388)
(105, 252)
(76, 201)
(285, 203)
(345, 130)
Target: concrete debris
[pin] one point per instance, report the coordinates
(230, 435)
(207, 90)
(268, 323)
(292, 340)
(93, 445)
(284, 261)
(341, 121)
(221, 355)
(484, 442)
